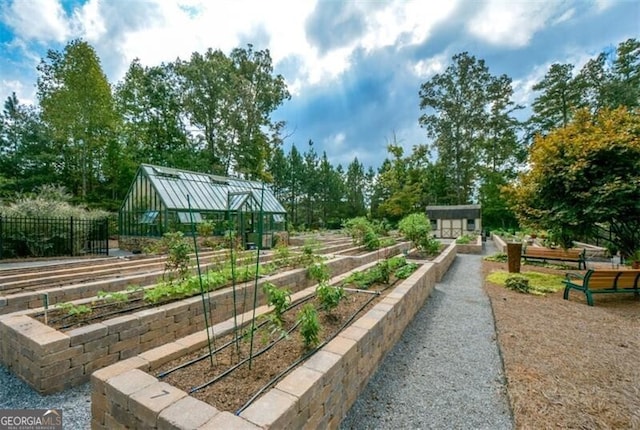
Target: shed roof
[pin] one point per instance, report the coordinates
(209, 192)
(454, 212)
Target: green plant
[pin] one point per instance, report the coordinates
(177, 254)
(205, 229)
(498, 257)
(309, 325)
(465, 239)
(383, 271)
(318, 272)
(415, 227)
(119, 297)
(539, 283)
(357, 228)
(405, 271)
(74, 310)
(279, 298)
(282, 255)
(429, 244)
(517, 283)
(328, 296)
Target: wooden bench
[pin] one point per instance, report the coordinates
(602, 282)
(544, 254)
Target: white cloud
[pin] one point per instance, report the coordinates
(90, 24)
(414, 18)
(41, 20)
(336, 139)
(512, 23)
(430, 66)
(15, 86)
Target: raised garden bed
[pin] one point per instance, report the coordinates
(474, 247)
(51, 360)
(317, 394)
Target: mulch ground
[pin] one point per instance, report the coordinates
(568, 365)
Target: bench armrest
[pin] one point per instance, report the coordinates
(569, 276)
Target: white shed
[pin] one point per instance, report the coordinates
(454, 221)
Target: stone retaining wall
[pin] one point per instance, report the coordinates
(51, 360)
(470, 248)
(318, 394)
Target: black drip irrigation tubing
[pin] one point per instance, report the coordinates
(246, 360)
(229, 343)
(304, 357)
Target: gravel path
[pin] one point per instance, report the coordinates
(445, 372)
(75, 403)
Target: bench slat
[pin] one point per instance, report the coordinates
(603, 282)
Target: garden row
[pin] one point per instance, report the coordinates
(51, 360)
(317, 394)
(33, 290)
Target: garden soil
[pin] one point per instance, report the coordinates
(568, 365)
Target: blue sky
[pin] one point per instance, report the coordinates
(354, 67)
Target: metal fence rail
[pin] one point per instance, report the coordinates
(52, 237)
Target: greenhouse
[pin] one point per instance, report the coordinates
(163, 199)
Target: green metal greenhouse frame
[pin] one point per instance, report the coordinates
(163, 199)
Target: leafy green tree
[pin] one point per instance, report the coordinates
(468, 116)
(154, 130)
(331, 192)
(584, 179)
(612, 79)
(311, 185)
(257, 94)
(625, 86)
(77, 106)
(559, 96)
(230, 101)
(295, 178)
(27, 157)
(355, 182)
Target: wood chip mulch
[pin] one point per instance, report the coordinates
(568, 365)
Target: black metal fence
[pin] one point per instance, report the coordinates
(52, 237)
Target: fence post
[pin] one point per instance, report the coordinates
(106, 233)
(71, 236)
(1, 237)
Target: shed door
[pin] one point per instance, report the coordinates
(451, 228)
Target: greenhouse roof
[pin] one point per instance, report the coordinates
(210, 192)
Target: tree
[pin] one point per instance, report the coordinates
(559, 97)
(612, 79)
(355, 182)
(258, 93)
(27, 157)
(468, 117)
(207, 88)
(584, 179)
(77, 105)
(332, 191)
(154, 129)
(230, 101)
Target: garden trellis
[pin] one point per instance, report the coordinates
(156, 203)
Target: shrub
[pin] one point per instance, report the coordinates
(178, 254)
(415, 227)
(465, 239)
(517, 283)
(498, 257)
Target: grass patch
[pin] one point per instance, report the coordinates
(539, 283)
